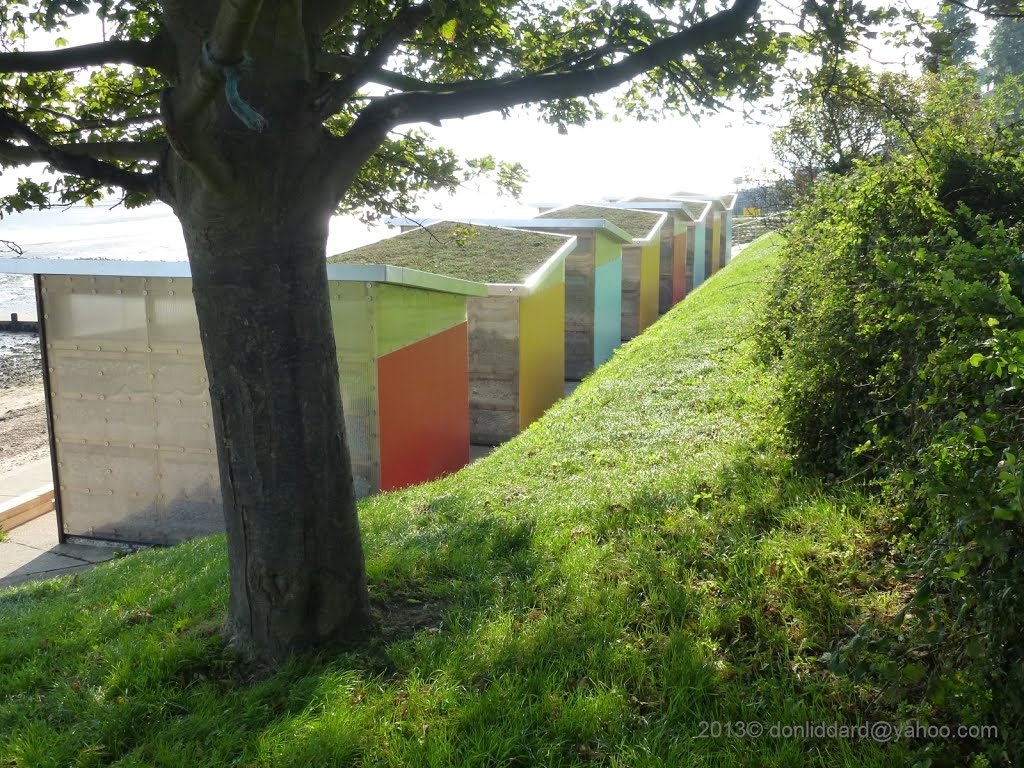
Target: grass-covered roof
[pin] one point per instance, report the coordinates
(469, 252)
(691, 208)
(634, 223)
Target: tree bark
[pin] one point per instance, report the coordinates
(296, 561)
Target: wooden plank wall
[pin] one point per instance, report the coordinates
(579, 308)
(493, 369)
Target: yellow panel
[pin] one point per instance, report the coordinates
(407, 315)
(650, 256)
(542, 348)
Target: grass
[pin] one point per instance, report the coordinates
(639, 562)
(483, 254)
(637, 224)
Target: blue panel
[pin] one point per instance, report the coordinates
(698, 255)
(607, 310)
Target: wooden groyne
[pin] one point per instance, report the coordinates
(14, 325)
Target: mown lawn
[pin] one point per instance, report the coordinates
(639, 562)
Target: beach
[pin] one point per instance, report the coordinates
(23, 432)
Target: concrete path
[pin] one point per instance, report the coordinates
(31, 551)
(25, 478)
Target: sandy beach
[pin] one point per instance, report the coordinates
(23, 435)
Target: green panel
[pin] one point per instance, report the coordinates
(606, 249)
(407, 315)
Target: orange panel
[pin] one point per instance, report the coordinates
(424, 409)
(678, 268)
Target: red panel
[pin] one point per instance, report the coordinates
(678, 268)
(423, 392)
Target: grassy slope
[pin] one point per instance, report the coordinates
(639, 561)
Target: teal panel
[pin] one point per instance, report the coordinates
(699, 271)
(607, 310)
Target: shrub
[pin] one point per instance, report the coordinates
(898, 325)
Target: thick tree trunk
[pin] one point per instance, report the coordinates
(297, 571)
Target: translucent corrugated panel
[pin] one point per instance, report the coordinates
(128, 386)
(353, 311)
(95, 310)
(135, 444)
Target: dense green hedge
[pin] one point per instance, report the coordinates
(898, 324)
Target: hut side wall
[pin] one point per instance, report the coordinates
(542, 349)
(632, 267)
(698, 249)
(579, 308)
(607, 300)
(683, 267)
(355, 336)
(494, 368)
(424, 415)
(131, 414)
(667, 271)
(716, 243)
(649, 260)
(422, 384)
(727, 250)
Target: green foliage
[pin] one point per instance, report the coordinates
(899, 325)
(951, 39)
(843, 113)
(1005, 52)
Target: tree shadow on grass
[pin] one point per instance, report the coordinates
(659, 613)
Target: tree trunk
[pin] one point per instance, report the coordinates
(296, 561)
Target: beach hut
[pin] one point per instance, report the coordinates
(593, 286)
(640, 259)
(678, 239)
(698, 241)
(516, 331)
(131, 437)
(720, 226)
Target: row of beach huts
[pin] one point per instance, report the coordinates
(455, 332)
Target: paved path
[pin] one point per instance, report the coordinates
(31, 551)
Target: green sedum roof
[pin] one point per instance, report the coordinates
(635, 223)
(478, 253)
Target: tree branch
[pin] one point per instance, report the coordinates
(405, 22)
(343, 64)
(125, 151)
(488, 95)
(227, 41)
(66, 160)
(135, 52)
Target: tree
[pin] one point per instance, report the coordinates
(1005, 52)
(951, 42)
(842, 113)
(256, 121)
